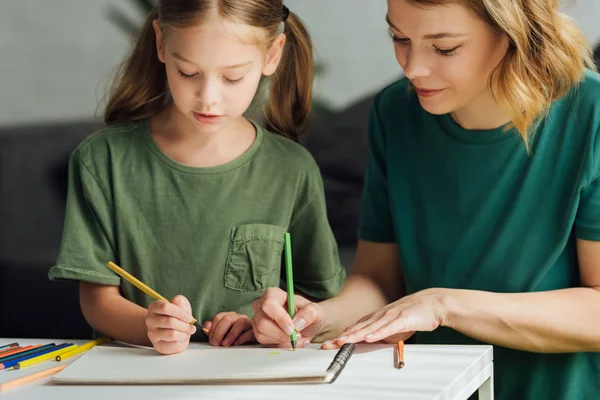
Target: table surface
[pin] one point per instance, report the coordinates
(431, 372)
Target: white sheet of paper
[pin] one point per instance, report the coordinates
(111, 365)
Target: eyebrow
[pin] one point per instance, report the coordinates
(439, 35)
(182, 58)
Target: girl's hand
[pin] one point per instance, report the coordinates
(229, 328)
(421, 311)
(168, 325)
(273, 325)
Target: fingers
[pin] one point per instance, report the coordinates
(167, 335)
(170, 347)
(391, 328)
(168, 325)
(157, 321)
(272, 324)
(308, 314)
(365, 332)
(331, 345)
(239, 327)
(271, 304)
(182, 302)
(267, 332)
(246, 337)
(162, 307)
(222, 323)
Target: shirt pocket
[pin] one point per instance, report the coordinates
(254, 257)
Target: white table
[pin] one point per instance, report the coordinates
(431, 372)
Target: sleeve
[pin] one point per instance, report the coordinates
(87, 242)
(587, 223)
(318, 272)
(375, 223)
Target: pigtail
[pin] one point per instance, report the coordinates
(290, 98)
(140, 88)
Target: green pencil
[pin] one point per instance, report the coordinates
(290, 282)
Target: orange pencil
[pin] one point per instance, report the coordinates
(399, 355)
(30, 378)
(17, 350)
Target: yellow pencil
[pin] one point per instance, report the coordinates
(143, 287)
(82, 348)
(43, 357)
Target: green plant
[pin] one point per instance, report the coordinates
(131, 26)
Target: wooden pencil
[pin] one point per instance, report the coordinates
(399, 355)
(31, 378)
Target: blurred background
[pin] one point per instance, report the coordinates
(56, 60)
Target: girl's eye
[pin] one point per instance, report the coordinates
(186, 76)
(398, 39)
(233, 81)
(446, 52)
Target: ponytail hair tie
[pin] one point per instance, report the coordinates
(286, 13)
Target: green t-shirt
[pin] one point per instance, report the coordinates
(472, 210)
(214, 235)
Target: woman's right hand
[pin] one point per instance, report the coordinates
(273, 325)
(168, 325)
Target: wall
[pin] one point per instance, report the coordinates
(57, 56)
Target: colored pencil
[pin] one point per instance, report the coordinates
(25, 351)
(287, 240)
(31, 378)
(145, 288)
(399, 355)
(14, 350)
(82, 348)
(15, 344)
(44, 357)
(11, 363)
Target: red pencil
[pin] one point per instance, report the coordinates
(14, 351)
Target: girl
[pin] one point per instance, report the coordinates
(186, 193)
(481, 206)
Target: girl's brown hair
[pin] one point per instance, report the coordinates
(140, 89)
(547, 56)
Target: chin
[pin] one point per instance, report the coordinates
(436, 108)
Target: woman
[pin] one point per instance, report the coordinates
(481, 208)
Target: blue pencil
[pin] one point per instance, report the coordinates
(11, 363)
(26, 353)
(15, 344)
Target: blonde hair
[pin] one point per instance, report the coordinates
(140, 88)
(547, 56)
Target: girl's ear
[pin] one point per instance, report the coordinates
(273, 56)
(160, 46)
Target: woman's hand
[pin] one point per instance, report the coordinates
(421, 311)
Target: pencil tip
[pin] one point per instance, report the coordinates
(294, 345)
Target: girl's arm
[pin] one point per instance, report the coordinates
(165, 326)
(110, 313)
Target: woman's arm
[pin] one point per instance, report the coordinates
(375, 279)
(552, 321)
